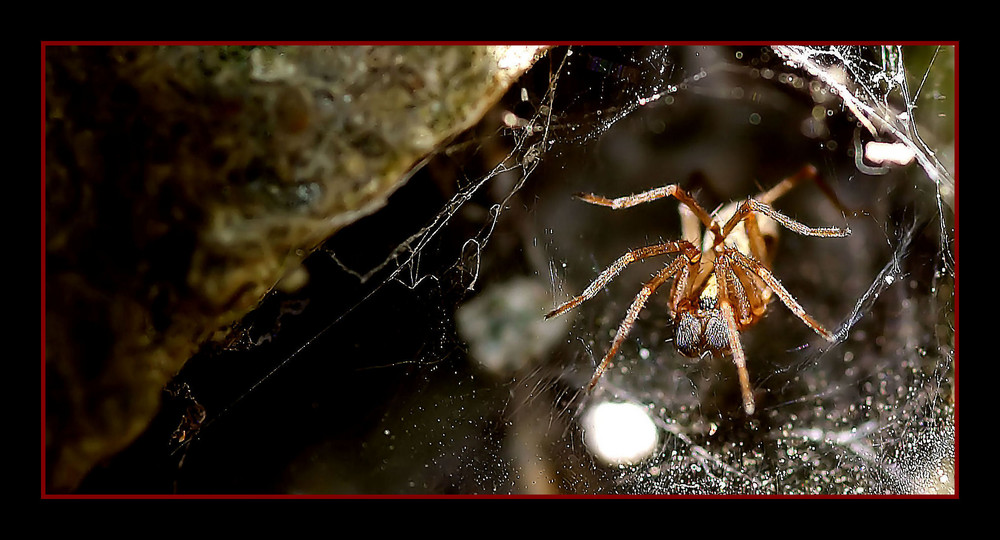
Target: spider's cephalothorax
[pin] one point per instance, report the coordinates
(720, 288)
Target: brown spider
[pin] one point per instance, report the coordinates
(721, 288)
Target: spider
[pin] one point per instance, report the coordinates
(722, 287)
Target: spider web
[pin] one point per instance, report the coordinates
(417, 359)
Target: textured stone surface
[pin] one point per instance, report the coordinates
(182, 183)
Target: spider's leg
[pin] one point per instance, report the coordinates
(807, 172)
(739, 358)
(732, 331)
(750, 206)
(786, 298)
(671, 190)
(753, 205)
(735, 291)
(633, 313)
(610, 272)
(680, 287)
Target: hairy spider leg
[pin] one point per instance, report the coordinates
(726, 309)
(680, 264)
(808, 172)
(691, 252)
(670, 190)
(749, 206)
(754, 235)
(753, 264)
(786, 298)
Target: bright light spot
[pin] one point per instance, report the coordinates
(515, 57)
(511, 120)
(888, 153)
(620, 433)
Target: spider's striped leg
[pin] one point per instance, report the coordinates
(671, 190)
(762, 204)
(807, 172)
(739, 357)
(678, 264)
(723, 271)
(750, 206)
(610, 272)
(786, 298)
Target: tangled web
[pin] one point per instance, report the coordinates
(417, 360)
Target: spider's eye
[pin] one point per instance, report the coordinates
(716, 337)
(687, 335)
